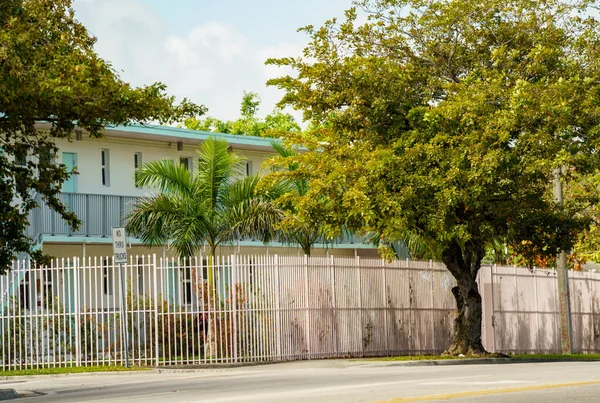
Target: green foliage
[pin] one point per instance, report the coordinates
(213, 205)
(52, 80)
(289, 187)
(70, 370)
(448, 121)
(587, 247)
(445, 122)
(248, 124)
(24, 334)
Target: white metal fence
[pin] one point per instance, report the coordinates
(269, 308)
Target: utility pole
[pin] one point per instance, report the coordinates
(564, 301)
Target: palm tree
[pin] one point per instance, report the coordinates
(213, 205)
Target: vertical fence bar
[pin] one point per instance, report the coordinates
(537, 312)
(234, 333)
(118, 337)
(516, 301)
(386, 314)
(77, 291)
(360, 310)
(306, 301)
(333, 305)
(277, 307)
(494, 270)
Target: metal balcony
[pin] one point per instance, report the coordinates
(98, 213)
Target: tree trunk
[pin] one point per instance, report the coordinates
(464, 264)
(306, 249)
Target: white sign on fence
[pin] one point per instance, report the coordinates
(119, 245)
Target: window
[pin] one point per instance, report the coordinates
(186, 162)
(45, 157)
(248, 168)
(105, 168)
(186, 274)
(20, 155)
(140, 275)
(106, 278)
(44, 290)
(137, 162)
(24, 297)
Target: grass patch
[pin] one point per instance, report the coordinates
(69, 370)
(541, 357)
(417, 358)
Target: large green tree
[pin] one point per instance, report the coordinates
(52, 82)
(446, 122)
(214, 204)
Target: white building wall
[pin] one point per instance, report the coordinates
(121, 161)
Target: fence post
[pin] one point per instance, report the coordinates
(306, 296)
(494, 269)
(156, 302)
(234, 335)
(537, 313)
(277, 308)
(76, 290)
(333, 311)
(433, 311)
(360, 311)
(515, 273)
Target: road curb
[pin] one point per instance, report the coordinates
(209, 367)
(471, 361)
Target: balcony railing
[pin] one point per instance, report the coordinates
(98, 213)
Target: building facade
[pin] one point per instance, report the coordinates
(104, 190)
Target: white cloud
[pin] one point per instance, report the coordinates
(212, 64)
(212, 39)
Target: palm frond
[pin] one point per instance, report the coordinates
(217, 168)
(251, 213)
(151, 218)
(165, 176)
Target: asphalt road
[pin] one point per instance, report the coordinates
(325, 381)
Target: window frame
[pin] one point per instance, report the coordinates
(20, 155)
(106, 279)
(105, 166)
(188, 162)
(137, 163)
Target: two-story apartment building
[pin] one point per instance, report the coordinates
(104, 190)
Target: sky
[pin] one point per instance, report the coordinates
(209, 51)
